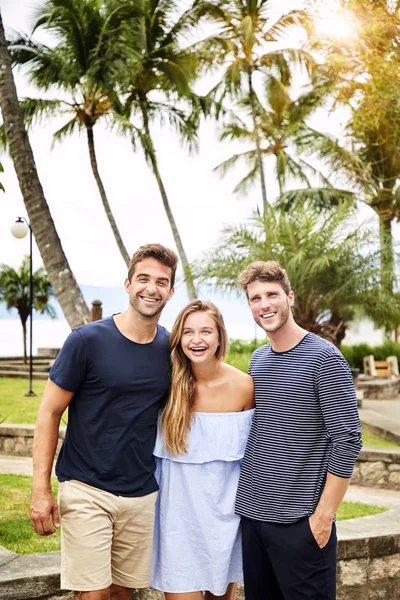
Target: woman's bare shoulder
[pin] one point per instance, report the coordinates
(242, 383)
(237, 374)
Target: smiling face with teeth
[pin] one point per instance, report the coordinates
(200, 339)
(150, 287)
(270, 305)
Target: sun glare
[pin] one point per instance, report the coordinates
(333, 22)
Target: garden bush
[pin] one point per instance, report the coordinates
(355, 354)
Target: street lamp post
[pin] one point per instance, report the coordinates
(19, 230)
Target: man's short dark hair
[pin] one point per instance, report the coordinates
(268, 270)
(163, 255)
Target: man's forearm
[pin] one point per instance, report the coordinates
(44, 449)
(321, 521)
(334, 492)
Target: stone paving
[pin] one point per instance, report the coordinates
(383, 416)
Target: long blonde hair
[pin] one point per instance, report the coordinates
(178, 412)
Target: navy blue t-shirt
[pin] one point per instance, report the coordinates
(118, 387)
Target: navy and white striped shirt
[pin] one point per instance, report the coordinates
(306, 424)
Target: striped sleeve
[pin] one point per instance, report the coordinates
(337, 397)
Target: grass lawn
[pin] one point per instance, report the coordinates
(14, 406)
(351, 510)
(16, 533)
(369, 439)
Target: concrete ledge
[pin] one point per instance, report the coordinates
(30, 576)
(17, 440)
(380, 425)
(368, 565)
(376, 388)
(378, 468)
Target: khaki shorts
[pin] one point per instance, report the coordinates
(105, 539)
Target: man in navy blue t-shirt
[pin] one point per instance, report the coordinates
(112, 375)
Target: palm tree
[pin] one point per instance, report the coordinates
(364, 73)
(60, 275)
(370, 172)
(156, 85)
(332, 266)
(82, 66)
(281, 122)
(247, 43)
(15, 292)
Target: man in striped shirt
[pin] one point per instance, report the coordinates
(301, 451)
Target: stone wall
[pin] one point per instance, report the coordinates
(379, 468)
(368, 569)
(369, 565)
(376, 388)
(17, 440)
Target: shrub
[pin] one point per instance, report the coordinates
(355, 354)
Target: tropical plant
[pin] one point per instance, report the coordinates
(79, 71)
(332, 265)
(15, 292)
(248, 44)
(283, 128)
(364, 73)
(156, 86)
(60, 275)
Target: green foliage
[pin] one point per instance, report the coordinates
(252, 40)
(247, 42)
(15, 291)
(364, 72)
(282, 125)
(355, 354)
(16, 533)
(240, 353)
(241, 347)
(332, 265)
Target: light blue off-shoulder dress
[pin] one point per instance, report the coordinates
(197, 539)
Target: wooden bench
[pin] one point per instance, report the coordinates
(381, 368)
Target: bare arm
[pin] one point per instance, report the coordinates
(43, 510)
(321, 521)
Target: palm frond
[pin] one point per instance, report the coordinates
(320, 198)
(72, 126)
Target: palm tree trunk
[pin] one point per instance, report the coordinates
(60, 275)
(386, 252)
(182, 254)
(110, 216)
(258, 147)
(387, 261)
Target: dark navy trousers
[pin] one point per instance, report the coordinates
(284, 562)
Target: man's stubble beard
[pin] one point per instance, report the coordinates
(149, 315)
(283, 319)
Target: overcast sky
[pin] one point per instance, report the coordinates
(202, 203)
